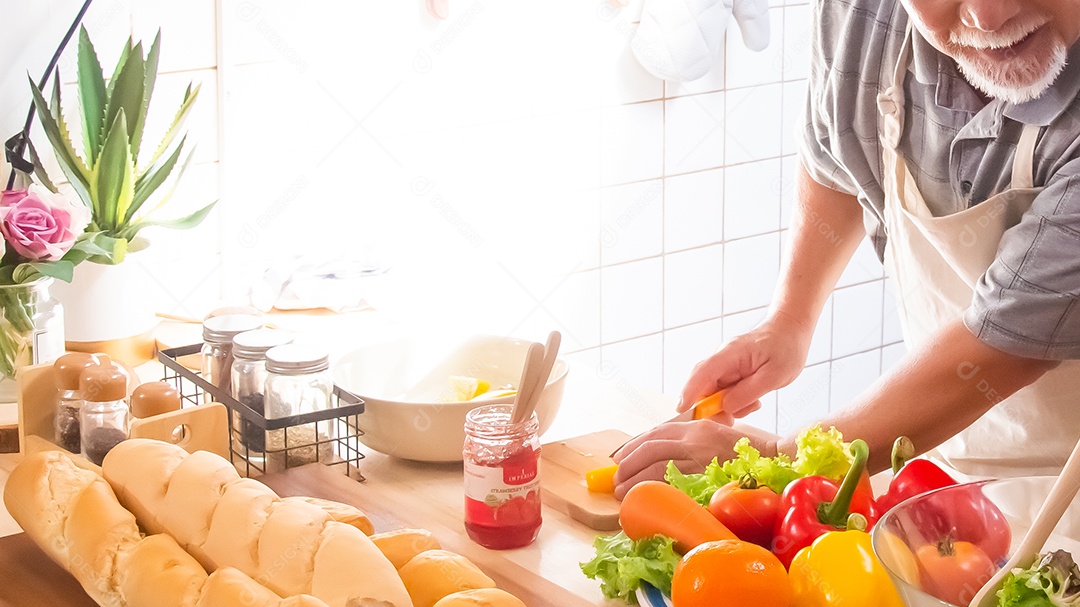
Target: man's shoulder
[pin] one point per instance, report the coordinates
(870, 11)
(853, 34)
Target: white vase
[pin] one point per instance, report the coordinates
(106, 309)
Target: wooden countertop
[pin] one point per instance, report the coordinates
(429, 495)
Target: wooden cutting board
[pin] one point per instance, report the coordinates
(394, 510)
(32, 579)
(563, 478)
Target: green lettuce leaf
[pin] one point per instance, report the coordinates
(776, 473)
(1054, 581)
(621, 564)
(822, 453)
(702, 486)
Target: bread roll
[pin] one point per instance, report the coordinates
(38, 494)
(72, 514)
(193, 493)
(237, 522)
(349, 570)
(400, 545)
(434, 574)
(481, 597)
(342, 513)
(228, 587)
(158, 567)
(302, 600)
(97, 528)
(139, 470)
(290, 537)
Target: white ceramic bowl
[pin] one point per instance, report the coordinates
(924, 519)
(401, 383)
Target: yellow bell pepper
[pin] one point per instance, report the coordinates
(840, 569)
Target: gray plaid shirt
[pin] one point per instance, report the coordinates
(959, 150)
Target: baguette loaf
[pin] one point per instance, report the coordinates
(74, 516)
(292, 546)
(480, 597)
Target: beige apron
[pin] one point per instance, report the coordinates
(936, 263)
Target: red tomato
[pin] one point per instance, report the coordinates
(749, 511)
(954, 571)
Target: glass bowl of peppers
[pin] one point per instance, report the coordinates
(942, 546)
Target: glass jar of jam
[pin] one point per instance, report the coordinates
(502, 478)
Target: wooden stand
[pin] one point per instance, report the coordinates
(201, 428)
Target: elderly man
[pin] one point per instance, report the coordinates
(949, 131)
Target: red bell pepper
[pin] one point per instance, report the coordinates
(911, 478)
(962, 514)
(815, 505)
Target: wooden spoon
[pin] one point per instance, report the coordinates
(1057, 502)
(528, 403)
(534, 359)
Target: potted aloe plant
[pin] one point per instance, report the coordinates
(118, 176)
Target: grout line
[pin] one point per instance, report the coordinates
(221, 72)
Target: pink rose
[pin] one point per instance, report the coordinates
(8, 197)
(35, 226)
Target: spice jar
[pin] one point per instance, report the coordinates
(104, 415)
(297, 382)
(154, 398)
(502, 478)
(249, 380)
(217, 356)
(69, 368)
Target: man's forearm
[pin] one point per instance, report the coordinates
(933, 393)
(826, 228)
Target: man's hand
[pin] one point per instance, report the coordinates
(690, 444)
(751, 365)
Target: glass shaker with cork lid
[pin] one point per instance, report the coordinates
(217, 356)
(104, 418)
(68, 369)
(154, 398)
(298, 381)
(249, 380)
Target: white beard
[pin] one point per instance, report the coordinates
(1018, 78)
(1016, 81)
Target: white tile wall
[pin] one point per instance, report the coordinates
(644, 219)
(685, 346)
(640, 361)
(631, 300)
(693, 210)
(752, 198)
(751, 267)
(805, 400)
(749, 136)
(693, 285)
(632, 221)
(693, 133)
(632, 139)
(857, 319)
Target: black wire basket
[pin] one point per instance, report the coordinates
(260, 445)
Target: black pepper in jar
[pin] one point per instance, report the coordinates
(67, 428)
(100, 441)
(254, 437)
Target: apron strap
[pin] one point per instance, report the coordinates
(891, 101)
(1023, 173)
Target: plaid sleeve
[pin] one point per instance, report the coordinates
(820, 132)
(1027, 302)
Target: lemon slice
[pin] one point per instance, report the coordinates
(464, 388)
(493, 394)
